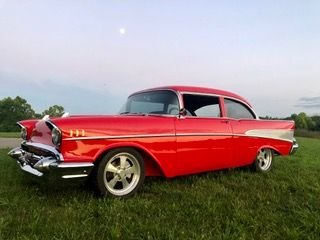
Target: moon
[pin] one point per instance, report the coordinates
(122, 31)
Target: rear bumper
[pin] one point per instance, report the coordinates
(294, 147)
(39, 165)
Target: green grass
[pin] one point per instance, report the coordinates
(10, 134)
(233, 204)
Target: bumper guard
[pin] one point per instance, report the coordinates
(50, 165)
(294, 147)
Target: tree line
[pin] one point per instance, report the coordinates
(302, 121)
(15, 109)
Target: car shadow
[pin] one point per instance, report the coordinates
(60, 188)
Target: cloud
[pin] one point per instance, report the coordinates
(75, 99)
(309, 102)
(310, 99)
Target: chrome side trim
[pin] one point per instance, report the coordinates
(74, 176)
(75, 165)
(231, 135)
(146, 136)
(121, 136)
(284, 135)
(203, 134)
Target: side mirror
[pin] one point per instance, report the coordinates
(183, 112)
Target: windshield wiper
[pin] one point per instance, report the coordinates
(134, 113)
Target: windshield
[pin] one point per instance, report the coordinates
(154, 102)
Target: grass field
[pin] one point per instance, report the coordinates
(10, 134)
(231, 204)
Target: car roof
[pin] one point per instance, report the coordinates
(192, 89)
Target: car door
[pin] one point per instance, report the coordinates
(204, 138)
(242, 119)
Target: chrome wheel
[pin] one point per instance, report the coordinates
(120, 173)
(264, 160)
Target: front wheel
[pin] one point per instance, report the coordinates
(264, 160)
(120, 173)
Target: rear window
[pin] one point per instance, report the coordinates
(237, 110)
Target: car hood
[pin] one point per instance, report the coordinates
(113, 125)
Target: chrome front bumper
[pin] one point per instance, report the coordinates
(40, 165)
(294, 147)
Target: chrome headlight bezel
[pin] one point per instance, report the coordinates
(23, 133)
(56, 136)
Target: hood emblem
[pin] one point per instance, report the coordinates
(77, 133)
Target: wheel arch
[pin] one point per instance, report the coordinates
(152, 165)
(254, 153)
(275, 150)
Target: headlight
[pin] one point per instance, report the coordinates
(23, 133)
(56, 136)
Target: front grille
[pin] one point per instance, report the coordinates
(31, 158)
(37, 151)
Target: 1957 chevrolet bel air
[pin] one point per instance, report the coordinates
(167, 131)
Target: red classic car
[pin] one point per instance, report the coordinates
(167, 131)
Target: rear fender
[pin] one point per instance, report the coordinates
(275, 150)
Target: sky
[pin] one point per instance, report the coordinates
(88, 56)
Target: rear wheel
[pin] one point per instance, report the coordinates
(120, 173)
(264, 159)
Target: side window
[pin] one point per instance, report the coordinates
(237, 110)
(201, 105)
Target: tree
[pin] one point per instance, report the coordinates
(303, 121)
(293, 116)
(54, 111)
(12, 111)
(316, 120)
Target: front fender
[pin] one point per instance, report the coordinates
(140, 148)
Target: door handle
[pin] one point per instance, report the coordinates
(225, 121)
